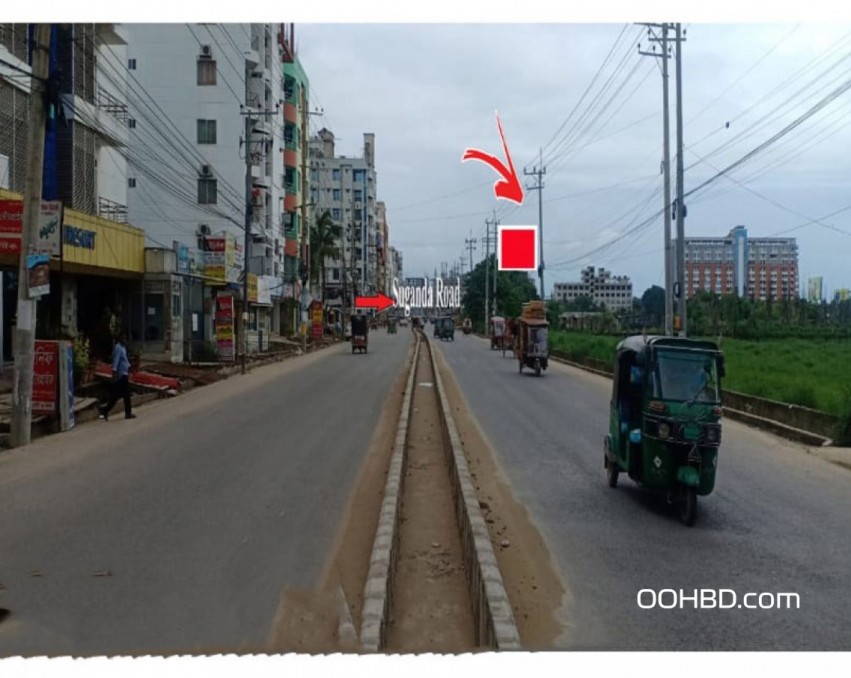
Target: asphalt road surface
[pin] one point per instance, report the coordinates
(178, 531)
(779, 521)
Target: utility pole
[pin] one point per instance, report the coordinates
(666, 166)
(471, 245)
(487, 271)
(496, 263)
(681, 209)
(24, 337)
(250, 116)
(539, 172)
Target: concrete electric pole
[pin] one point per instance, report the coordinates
(666, 167)
(250, 116)
(470, 243)
(487, 271)
(24, 336)
(682, 297)
(539, 172)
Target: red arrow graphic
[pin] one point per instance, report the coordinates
(380, 302)
(509, 186)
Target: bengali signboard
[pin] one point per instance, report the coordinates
(317, 320)
(252, 288)
(224, 328)
(214, 260)
(11, 218)
(45, 372)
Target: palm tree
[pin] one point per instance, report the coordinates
(324, 244)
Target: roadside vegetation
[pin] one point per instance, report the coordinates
(813, 373)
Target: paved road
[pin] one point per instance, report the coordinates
(779, 520)
(202, 510)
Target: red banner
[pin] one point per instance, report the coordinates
(11, 219)
(45, 373)
(224, 329)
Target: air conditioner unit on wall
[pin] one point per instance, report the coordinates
(206, 170)
(203, 230)
(206, 52)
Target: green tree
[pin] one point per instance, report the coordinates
(653, 305)
(324, 244)
(513, 289)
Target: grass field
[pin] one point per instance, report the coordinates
(810, 373)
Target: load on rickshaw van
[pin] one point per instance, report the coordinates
(665, 412)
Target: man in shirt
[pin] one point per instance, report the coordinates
(120, 387)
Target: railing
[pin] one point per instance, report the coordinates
(108, 209)
(110, 104)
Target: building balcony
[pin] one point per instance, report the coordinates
(290, 112)
(108, 209)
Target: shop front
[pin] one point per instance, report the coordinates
(95, 277)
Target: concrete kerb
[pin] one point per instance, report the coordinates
(378, 590)
(495, 619)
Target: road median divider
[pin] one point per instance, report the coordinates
(496, 626)
(378, 591)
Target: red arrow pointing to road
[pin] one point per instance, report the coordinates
(380, 302)
(509, 186)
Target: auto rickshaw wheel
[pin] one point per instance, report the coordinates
(612, 472)
(520, 366)
(688, 506)
(537, 368)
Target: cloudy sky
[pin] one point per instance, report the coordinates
(430, 91)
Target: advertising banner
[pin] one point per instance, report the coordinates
(48, 238)
(252, 288)
(45, 372)
(182, 252)
(11, 218)
(38, 267)
(224, 329)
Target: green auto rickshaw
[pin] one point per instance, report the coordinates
(446, 331)
(665, 413)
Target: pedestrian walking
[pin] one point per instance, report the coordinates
(120, 385)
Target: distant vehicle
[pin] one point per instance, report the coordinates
(403, 322)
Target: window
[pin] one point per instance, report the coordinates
(206, 72)
(131, 182)
(336, 194)
(358, 175)
(131, 64)
(335, 214)
(131, 123)
(206, 131)
(335, 175)
(358, 196)
(207, 191)
(335, 274)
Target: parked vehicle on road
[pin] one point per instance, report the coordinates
(467, 327)
(391, 326)
(360, 333)
(531, 347)
(665, 413)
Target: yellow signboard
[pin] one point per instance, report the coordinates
(252, 288)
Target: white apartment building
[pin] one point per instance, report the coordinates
(193, 88)
(346, 187)
(615, 292)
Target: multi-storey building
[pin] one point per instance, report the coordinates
(297, 211)
(381, 248)
(205, 114)
(759, 268)
(614, 292)
(346, 188)
(99, 266)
